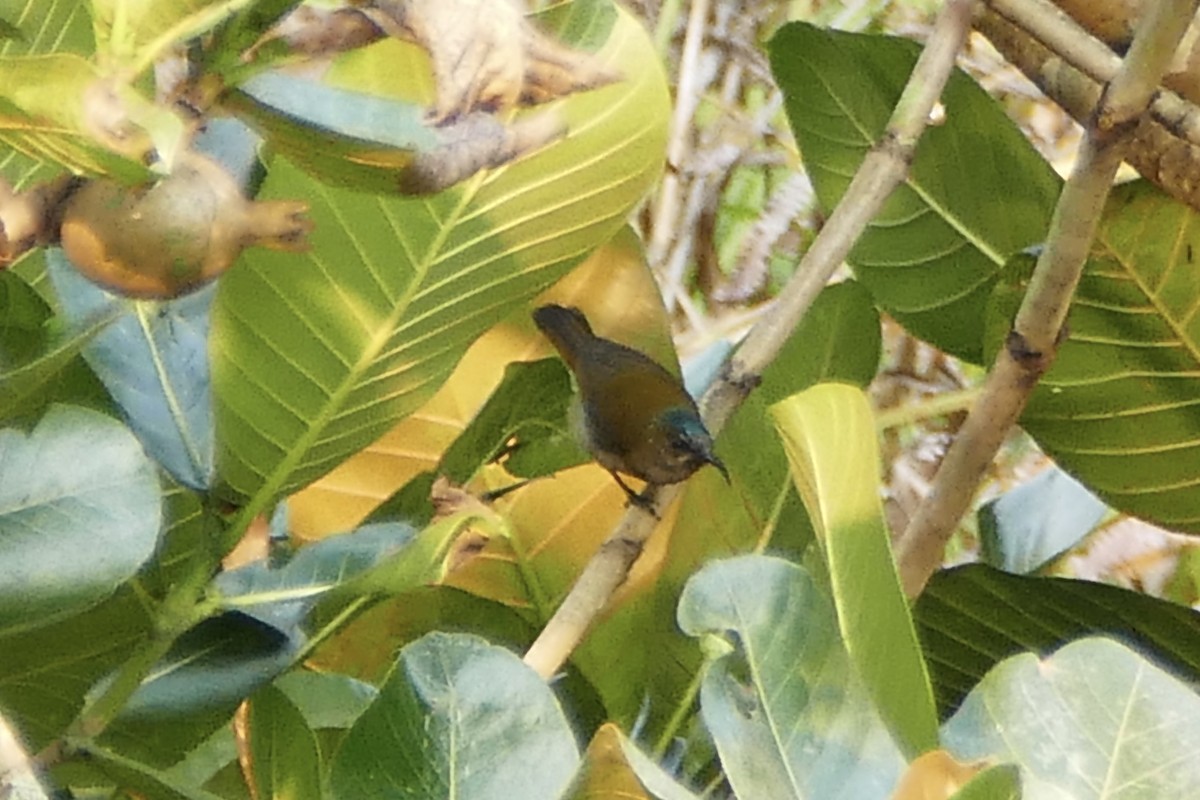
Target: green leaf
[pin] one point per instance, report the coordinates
(54, 27)
(38, 367)
(47, 112)
(135, 34)
(80, 511)
(829, 434)
(314, 357)
(972, 617)
(283, 749)
(1031, 524)
(530, 406)
(1118, 410)
(283, 596)
(153, 359)
(838, 340)
(458, 718)
(144, 780)
(1094, 720)
(196, 687)
(936, 249)
(417, 564)
(783, 703)
(346, 138)
(45, 673)
(326, 699)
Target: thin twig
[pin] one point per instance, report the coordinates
(1033, 343)
(881, 171)
(687, 98)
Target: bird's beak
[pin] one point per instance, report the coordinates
(720, 465)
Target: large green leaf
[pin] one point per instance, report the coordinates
(829, 434)
(972, 617)
(458, 718)
(1094, 720)
(314, 357)
(975, 193)
(1120, 409)
(781, 700)
(79, 515)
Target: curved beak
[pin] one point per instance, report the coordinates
(719, 464)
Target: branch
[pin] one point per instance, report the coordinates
(1070, 65)
(881, 171)
(1033, 343)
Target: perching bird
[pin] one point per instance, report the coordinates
(632, 415)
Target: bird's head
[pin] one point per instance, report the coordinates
(689, 441)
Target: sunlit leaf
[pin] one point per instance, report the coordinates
(316, 357)
(1094, 720)
(829, 434)
(458, 717)
(1120, 408)
(780, 697)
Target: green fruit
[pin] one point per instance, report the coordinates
(172, 237)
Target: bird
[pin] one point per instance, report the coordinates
(631, 414)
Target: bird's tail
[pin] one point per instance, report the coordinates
(566, 328)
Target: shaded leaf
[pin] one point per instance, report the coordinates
(283, 596)
(781, 699)
(153, 359)
(144, 779)
(45, 673)
(936, 249)
(1094, 720)
(829, 434)
(972, 617)
(37, 366)
(79, 515)
(457, 717)
(195, 688)
(530, 407)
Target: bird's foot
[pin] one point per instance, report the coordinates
(645, 502)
